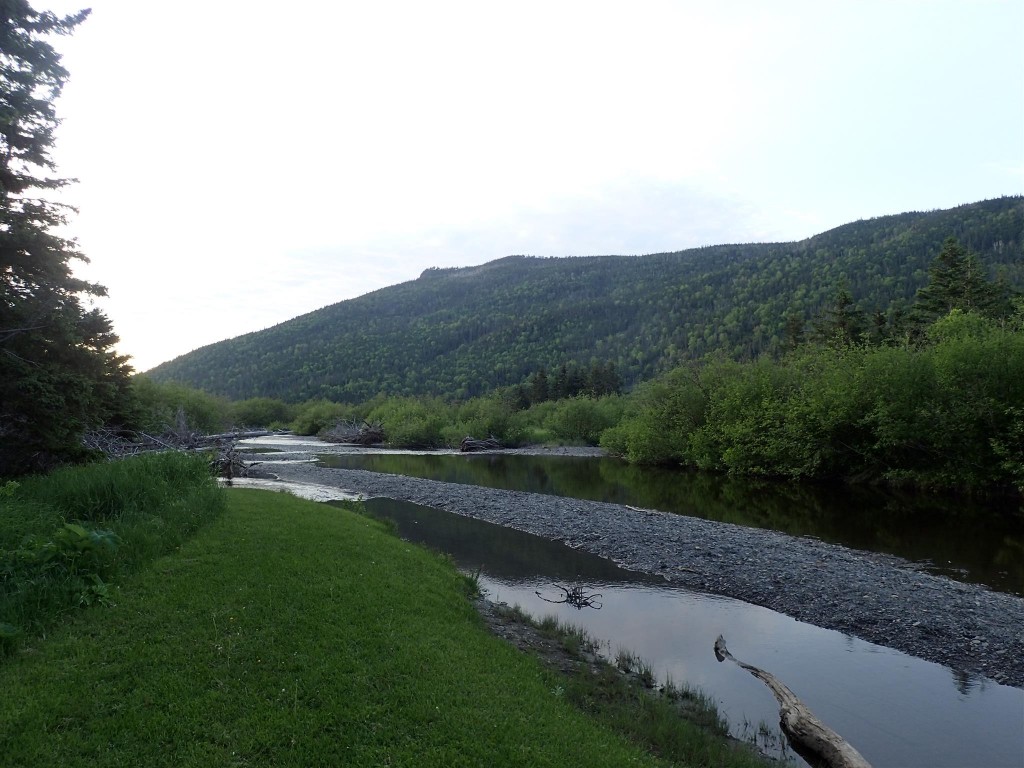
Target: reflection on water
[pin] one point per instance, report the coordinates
(972, 541)
(895, 709)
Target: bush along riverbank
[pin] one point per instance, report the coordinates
(67, 537)
(941, 415)
(940, 411)
(289, 633)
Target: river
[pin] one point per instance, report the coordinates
(974, 541)
(896, 709)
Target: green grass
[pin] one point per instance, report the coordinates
(290, 633)
(676, 722)
(282, 633)
(63, 536)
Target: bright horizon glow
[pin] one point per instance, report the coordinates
(238, 168)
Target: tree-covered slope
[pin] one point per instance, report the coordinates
(460, 332)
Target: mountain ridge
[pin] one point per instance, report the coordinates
(462, 331)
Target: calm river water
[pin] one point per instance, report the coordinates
(974, 541)
(896, 709)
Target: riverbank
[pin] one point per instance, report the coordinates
(878, 598)
(288, 633)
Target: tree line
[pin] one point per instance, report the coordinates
(882, 350)
(938, 402)
(461, 333)
(938, 405)
(59, 374)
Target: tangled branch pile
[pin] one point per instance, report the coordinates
(349, 432)
(118, 444)
(576, 596)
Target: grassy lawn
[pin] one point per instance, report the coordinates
(67, 536)
(289, 633)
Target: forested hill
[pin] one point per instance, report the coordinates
(462, 332)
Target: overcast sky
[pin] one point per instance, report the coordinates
(242, 163)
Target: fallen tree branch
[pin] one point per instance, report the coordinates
(228, 463)
(576, 597)
(116, 444)
(810, 737)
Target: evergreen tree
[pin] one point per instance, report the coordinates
(841, 322)
(539, 391)
(794, 331)
(957, 280)
(576, 382)
(58, 375)
(603, 379)
(559, 389)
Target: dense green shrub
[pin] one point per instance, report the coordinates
(659, 420)
(413, 422)
(583, 419)
(979, 373)
(262, 412)
(169, 407)
(63, 536)
(314, 416)
(803, 423)
(744, 427)
(531, 423)
(945, 414)
(483, 417)
(1009, 447)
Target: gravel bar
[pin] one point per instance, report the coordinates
(879, 598)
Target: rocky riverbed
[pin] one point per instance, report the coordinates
(878, 598)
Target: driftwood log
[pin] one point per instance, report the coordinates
(229, 463)
(469, 444)
(811, 738)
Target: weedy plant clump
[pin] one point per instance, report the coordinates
(66, 536)
(679, 723)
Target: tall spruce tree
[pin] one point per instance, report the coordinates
(957, 280)
(841, 322)
(58, 373)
